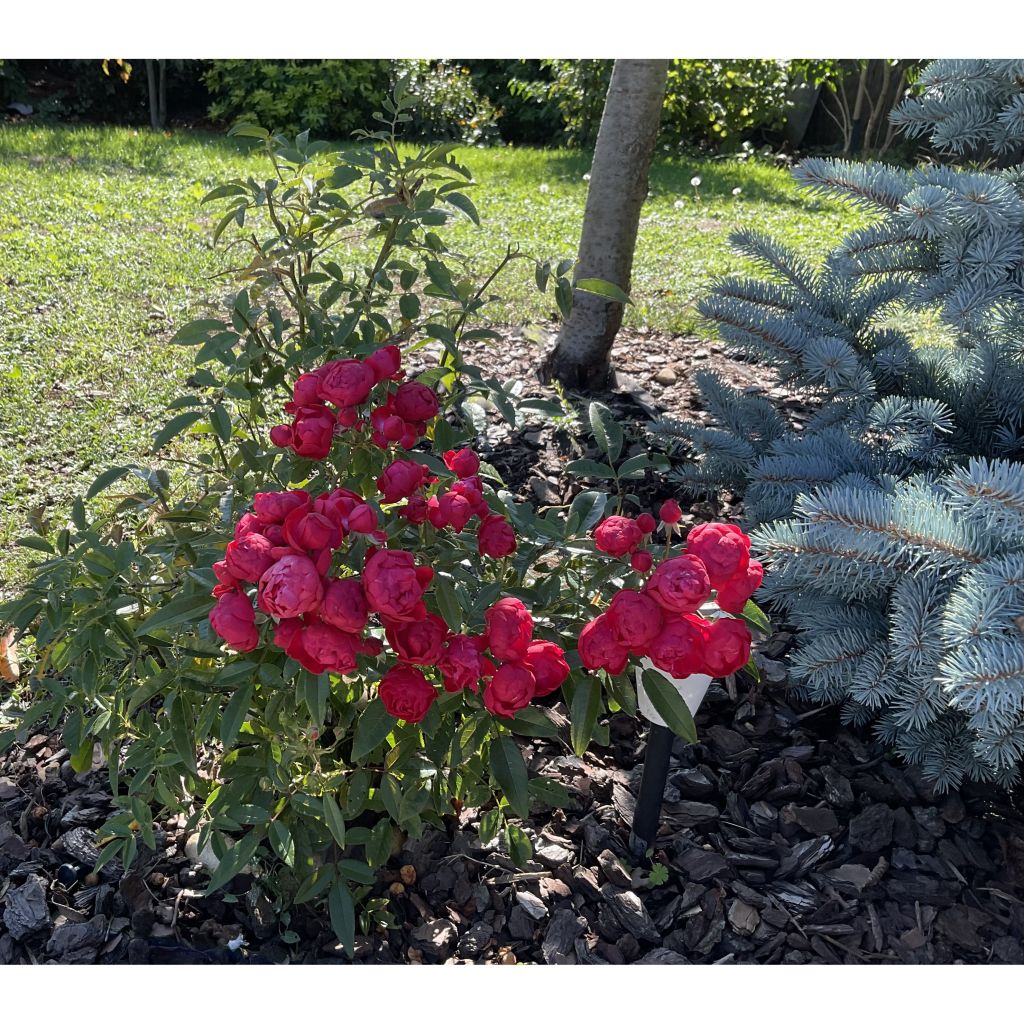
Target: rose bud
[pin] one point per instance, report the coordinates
(670, 512)
(274, 506)
(635, 619)
(646, 522)
(307, 390)
(415, 402)
(510, 689)
(290, 587)
(641, 561)
(415, 509)
(345, 382)
(401, 479)
(223, 573)
(723, 548)
(449, 509)
(679, 584)
(727, 649)
(617, 536)
(281, 436)
(599, 648)
(363, 518)
(495, 537)
(394, 585)
(462, 663)
(385, 363)
(347, 418)
(406, 693)
(733, 596)
(680, 647)
(464, 462)
(419, 642)
(249, 524)
(313, 432)
(472, 489)
(234, 621)
(331, 647)
(310, 531)
(344, 605)
(249, 557)
(509, 629)
(547, 663)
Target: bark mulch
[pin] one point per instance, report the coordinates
(785, 836)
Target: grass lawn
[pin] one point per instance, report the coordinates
(104, 251)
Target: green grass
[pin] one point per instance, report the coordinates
(104, 251)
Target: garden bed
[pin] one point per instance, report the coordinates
(784, 838)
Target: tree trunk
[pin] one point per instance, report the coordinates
(618, 188)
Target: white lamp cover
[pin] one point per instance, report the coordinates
(690, 688)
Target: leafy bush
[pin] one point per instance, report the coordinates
(448, 105)
(901, 565)
(330, 97)
(573, 94)
(277, 750)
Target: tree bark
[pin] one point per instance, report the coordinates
(618, 188)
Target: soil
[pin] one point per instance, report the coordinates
(785, 837)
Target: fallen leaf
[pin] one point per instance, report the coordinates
(10, 668)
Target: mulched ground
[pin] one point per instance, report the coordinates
(785, 837)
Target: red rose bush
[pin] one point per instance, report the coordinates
(324, 577)
(680, 612)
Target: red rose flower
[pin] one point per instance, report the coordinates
(495, 537)
(472, 489)
(617, 536)
(733, 595)
(395, 585)
(310, 531)
(511, 688)
(313, 432)
(464, 462)
(363, 518)
(679, 584)
(547, 663)
(249, 524)
(345, 382)
(281, 436)
(224, 574)
(641, 561)
(727, 649)
(274, 506)
(415, 402)
(290, 587)
(449, 509)
(680, 646)
(599, 648)
(462, 663)
(419, 642)
(646, 522)
(249, 557)
(415, 509)
(670, 512)
(401, 479)
(635, 619)
(723, 548)
(385, 363)
(234, 621)
(344, 605)
(330, 647)
(306, 390)
(509, 629)
(406, 693)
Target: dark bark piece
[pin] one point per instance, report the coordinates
(631, 913)
(26, 912)
(691, 814)
(434, 938)
(78, 942)
(871, 830)
(692, 784)
(818, 821)
(476, 940)
(558, 945)
(663, 956)
(613, 870)
(698, 865)
(532, 905)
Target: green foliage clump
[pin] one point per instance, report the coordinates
(330, 97)
(895, 516)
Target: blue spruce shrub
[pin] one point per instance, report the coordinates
(893, 522)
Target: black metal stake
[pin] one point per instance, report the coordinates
(652, 790)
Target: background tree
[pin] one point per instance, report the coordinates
(618, 187)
